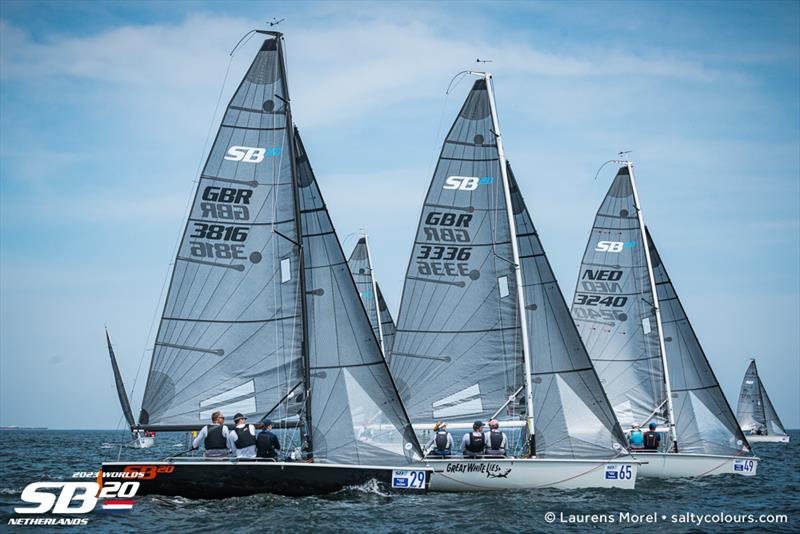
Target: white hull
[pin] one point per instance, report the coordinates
(680, 465)
(755, 438)
(141, 442)
(461, 474)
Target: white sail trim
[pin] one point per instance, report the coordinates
(230, 401)
(464, 402)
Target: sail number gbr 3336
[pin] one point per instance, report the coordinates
(445, 255)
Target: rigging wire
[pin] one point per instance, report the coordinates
(187, 210)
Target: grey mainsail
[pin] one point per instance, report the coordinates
(357, 414)
(572, 416)
(614, 310)
(755, 411)
(360, 263)
(704, 420)
(230, 337)
(458, 354)
(121, 393)
(262, 315)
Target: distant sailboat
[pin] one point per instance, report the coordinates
(360, 264)
(755, 412)
(477, 285)
(263, 317)
(645, 350)
(140, 439)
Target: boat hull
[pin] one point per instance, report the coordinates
(142, 442)
(681, 465)
(767, 439)
(459, 474)
(220, 479)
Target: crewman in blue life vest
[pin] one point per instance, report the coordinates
(652, 439)
(496, 441)
(637, 438)
(242, 439)
(214, 437)
(441, 444)
(473, 443)
(267, 443)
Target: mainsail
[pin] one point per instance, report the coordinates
(615, 312)
(360, 263)
(705, 423)
(460, 350)
(262, 315)
(755, 411)
(458, 353)
(121, 393)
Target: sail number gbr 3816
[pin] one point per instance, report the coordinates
(220, 240)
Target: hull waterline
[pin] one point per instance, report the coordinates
(220, 479)
(457, 474)
(767, 439)
(680, 465)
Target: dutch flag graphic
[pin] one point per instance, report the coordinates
(117, 506)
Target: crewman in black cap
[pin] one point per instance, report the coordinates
(242, 439)
(473, 443)
(267, 444)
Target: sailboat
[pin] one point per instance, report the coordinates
(140, 440)
(360, 263)
(263, 317)
(645, 350)
(484, 331)
(756, 414)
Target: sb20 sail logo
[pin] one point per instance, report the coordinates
(73, 498)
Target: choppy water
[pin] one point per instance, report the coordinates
(31, 456)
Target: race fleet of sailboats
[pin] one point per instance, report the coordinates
(265, 316)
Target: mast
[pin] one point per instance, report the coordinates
(375, 295)
(661, 344)
(290, 129)
(517, 265)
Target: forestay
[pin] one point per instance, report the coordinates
(230, 335)
(614, 310)
(572, 416)
(457, 353)
(704, 420)
(357, 415)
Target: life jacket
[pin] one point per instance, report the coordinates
(215, 439)
(441, 441)
(496, 441)
(651, 440)
(476, 444)
(637, 439)
(265, 445)
(244, 438)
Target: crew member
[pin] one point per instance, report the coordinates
(441, 444)
(267, 444)
(496, 441)
(473, 443)
(214, 437)
(652, 439)
(637, 438)
(242, 439)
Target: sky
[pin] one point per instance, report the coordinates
(105, 111)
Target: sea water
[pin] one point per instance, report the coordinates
(727, 503)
